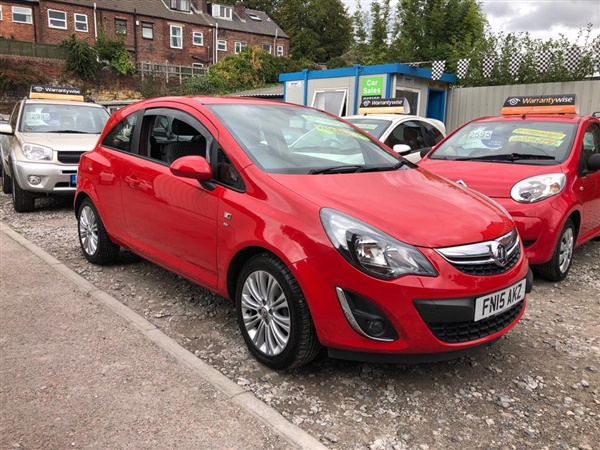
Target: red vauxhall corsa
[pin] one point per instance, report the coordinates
(321, 236)
(541, 161)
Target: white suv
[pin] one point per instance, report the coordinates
(47, 134)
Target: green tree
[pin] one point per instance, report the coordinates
(378, 46)
(81, 57)
(428, 30)
(318, 29)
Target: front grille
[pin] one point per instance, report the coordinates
(457, 332)
(69, 157)
(490, 268)
(485, 258)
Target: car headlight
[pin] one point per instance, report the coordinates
(37, 152)
(372, 251)
(538, 188)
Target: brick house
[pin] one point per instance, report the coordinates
(180, 32)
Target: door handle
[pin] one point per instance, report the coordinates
(133, 181)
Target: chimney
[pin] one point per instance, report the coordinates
(200, 5)
(240, 9)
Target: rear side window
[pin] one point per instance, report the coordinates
(121, 136)
(432, 134)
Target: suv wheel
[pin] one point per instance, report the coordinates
(95, 242)
(6, 182)
(22, 201)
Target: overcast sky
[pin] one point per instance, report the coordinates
(543, 19)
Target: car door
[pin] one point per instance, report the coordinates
(171, 220)
(588, 184)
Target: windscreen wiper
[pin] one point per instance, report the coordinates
(383, 168)
(69, 131)
(338, 169)
(506, 157)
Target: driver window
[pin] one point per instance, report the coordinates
(590, 146)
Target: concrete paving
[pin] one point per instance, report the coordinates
(80, 370)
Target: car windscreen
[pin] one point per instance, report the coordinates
(522, 141)
(62, 118)
(375, 127)
(291, 139)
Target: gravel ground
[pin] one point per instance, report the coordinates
(538, 387)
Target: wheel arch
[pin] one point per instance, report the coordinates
(237, 263)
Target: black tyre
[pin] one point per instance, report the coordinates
(558, 267)
(93, 238)
(273, 315)
(22, 201)
(6, 182)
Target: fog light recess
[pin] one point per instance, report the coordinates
(34, 180)
(365, 318)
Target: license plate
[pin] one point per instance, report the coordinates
(74, 180)
(496, 302)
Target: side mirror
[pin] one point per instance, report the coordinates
(596, 114)
(593, 164)
(194, 167)
(6, 129)
(402, 149)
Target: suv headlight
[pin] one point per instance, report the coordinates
(372, 251)
(538, 188)
(37, 152)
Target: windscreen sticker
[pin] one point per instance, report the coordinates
(479, 134)
(539, 133)
(367, 126)
(340, 132)
(322, 121)
(38, 116)
(537, 140)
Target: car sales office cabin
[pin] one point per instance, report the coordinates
(341, 91)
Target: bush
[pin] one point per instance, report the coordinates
(81, 58)
(115, 52)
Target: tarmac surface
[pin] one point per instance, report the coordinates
(80, 370)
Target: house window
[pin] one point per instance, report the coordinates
(221, 11)
(332, 101)
(0, 12)
(280, 50)
(176, 40)
(239, 46)
(21, 15)
(180, 5)
(120, 26)
(81, 23)
(57, 19)
(222, 45)
(147, 30)
(267, 48)
(198, 38)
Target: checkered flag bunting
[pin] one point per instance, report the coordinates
(488, 65)
(514, 64)
(463, 67)
(572, 59)
(596, 56)
(437, 69)
(543, 61)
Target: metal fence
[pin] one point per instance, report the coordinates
(170, 71)
(10, 47)
(465, 104)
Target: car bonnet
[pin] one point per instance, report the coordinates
(62, 141)
(415, 206)
(490, 178)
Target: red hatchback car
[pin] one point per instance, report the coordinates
(321, 236)
(541, 161)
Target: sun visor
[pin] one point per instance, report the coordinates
(541, 104)
(384, 106)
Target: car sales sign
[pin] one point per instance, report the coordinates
(371, 86)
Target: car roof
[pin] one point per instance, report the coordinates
(390, 117)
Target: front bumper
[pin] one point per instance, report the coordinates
(54, 179)
(539, 225)
(400, 301)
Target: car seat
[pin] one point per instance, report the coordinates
(411, 138)
(175, 150)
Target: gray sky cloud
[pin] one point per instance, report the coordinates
(543, 19)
